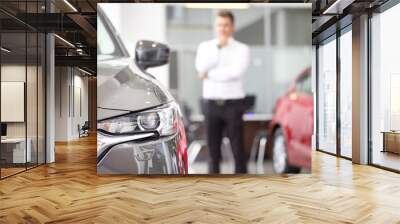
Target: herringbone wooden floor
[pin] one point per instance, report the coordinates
(69, 191)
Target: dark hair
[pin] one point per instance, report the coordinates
(227, 14)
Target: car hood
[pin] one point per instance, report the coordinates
(122, 87)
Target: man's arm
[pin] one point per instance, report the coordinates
(206, 58)
(234, 70)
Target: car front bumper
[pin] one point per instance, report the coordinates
(125, 155)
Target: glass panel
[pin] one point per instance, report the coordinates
(327, 97)
(32, 88)
(31, 98)
(385, 86)
(346, 94)
(23, 90)
(13, 89)
(41, 98)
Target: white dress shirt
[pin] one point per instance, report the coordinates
(224, 66)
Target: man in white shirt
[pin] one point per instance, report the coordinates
(221, 62)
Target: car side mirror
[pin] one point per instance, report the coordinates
(151, 54)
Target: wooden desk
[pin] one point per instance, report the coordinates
(391, 141)
(13, 150)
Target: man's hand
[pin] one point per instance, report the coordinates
(203, 76)
(222, 41)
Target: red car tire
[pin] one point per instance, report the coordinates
(279, 154)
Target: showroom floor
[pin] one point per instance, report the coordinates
(69, 191)
(387, 159)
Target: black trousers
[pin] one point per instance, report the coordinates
(224, 117)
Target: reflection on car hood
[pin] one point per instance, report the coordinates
(123, 87)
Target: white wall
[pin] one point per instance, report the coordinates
(80, 83)
(275, 62)
(17, 73)
(61, 103)
(67, 115)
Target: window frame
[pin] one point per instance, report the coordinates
(27, 29)
(333, 37)
(381, 9)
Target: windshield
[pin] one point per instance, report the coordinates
(106, 45)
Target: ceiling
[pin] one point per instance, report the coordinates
(74, 21)
(328, 16)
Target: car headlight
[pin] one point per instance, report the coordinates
(162, 120)
(149, 121)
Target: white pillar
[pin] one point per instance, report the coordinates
(360, 90)
(50, 99)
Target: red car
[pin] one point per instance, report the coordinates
(291, 127)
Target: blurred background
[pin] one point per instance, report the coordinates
(279, 38)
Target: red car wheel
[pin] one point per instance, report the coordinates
(279, 154)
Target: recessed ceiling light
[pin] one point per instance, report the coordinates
(64, 40)
(70, 5)
(337, 7)
(5, 50)
(84, 71)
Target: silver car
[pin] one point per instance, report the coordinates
(140, 128)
